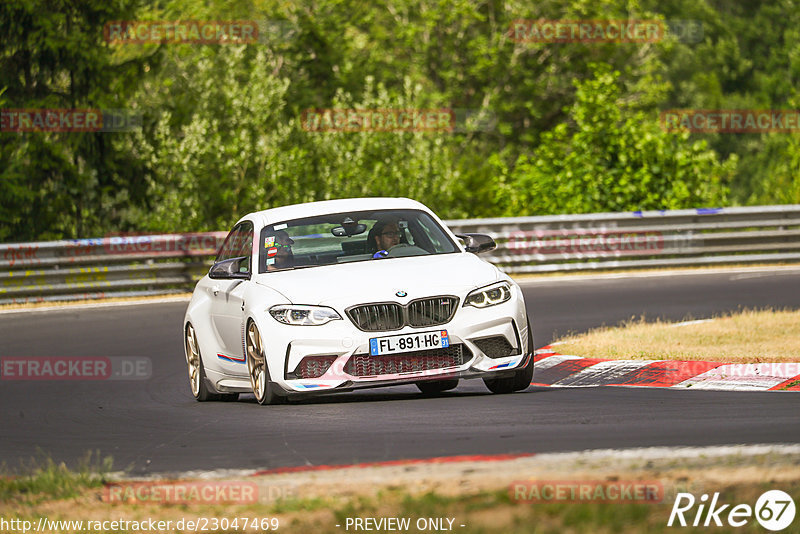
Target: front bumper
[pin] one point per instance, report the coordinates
(340, 341)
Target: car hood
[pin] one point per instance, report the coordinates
(346, 284)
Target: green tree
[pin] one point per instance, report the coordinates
(53, 56)
(609, 159)
(779, 179)
(240, 147)
(222, 132)
(747, 58)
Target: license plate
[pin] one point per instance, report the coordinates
(378, 346)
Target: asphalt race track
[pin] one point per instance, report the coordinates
(155, 426)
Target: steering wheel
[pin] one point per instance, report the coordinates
(404, 249)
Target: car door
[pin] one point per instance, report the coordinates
(227, 297)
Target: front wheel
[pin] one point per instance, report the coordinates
(257, 369)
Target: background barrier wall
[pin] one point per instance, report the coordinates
(129, 265)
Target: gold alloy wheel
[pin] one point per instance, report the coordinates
(193, 360)
(256, 363)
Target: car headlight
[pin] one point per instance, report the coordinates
(489, 295)
(299, 315)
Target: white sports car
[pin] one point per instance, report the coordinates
(343, 294)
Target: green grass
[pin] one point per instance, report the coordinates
(288, 505)
(42, 479)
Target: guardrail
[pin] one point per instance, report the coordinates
(127, 265)
(641, 239)
(120, 265)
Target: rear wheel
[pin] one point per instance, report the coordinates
(519, 380)
(197, 373)
(264, 390)
(432, 387)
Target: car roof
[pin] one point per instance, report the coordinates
(310, 209)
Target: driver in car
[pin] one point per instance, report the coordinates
(386, 235)
(279, 251)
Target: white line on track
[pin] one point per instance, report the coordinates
(738, 273)
(95, 305)
(550, 458)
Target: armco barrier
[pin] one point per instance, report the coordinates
(641, 239)
(127, 265)
(113, 266)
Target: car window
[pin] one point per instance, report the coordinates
(432, 233)
(238, 243)
(350, 237)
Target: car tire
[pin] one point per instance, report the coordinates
(433, 387)
(265, 391)
(197, 372)
(520, 380)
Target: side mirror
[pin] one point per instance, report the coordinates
(229, 269)
(477, 243)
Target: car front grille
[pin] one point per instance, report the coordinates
(313, 366)
(430, 312)
(408, 362)
(377, 317)
(381, 317)
(496, 347)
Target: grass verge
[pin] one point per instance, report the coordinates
(43, 479)
(751, 336)
(471, 498)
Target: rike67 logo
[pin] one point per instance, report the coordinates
(774, 510)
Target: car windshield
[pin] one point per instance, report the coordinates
(379, 235)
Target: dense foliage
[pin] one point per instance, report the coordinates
(564, 127)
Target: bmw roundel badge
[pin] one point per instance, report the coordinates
(401, 293)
